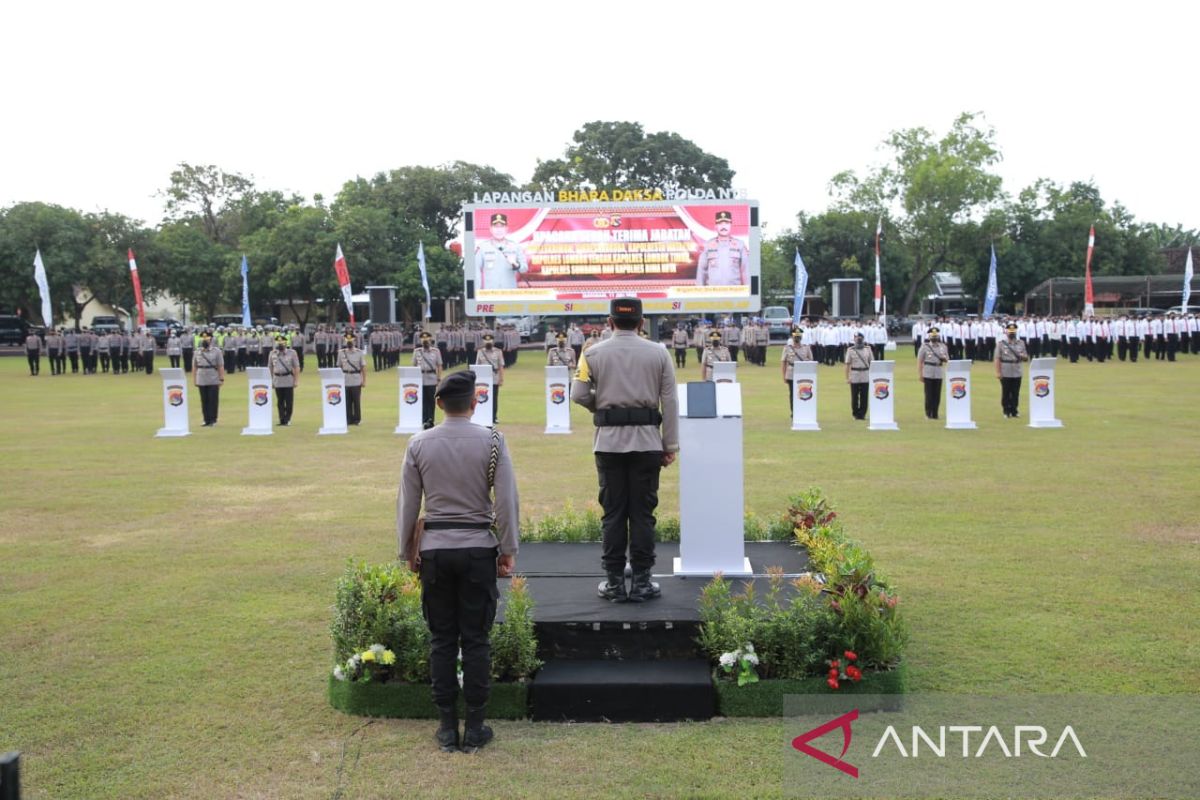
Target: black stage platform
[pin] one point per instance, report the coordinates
(625, 661)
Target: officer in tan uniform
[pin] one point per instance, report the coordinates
(793, 351)
(429, 359)
(494, 357)
(285, 377)
(208, 369)
(561, 355)
(33, 352)
(679, 343)
(725, 260)
(457, 555)
(931, 369)
(56, 349)
(858, 375)
(715, 352)
(628, 384)
(352, 363)
(1010, 352)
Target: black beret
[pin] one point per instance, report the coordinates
(499, 219)
(629, 308)
(724, 216)
(457, 385)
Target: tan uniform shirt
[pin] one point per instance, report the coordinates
(495, 359)
(858, 359)
(1009, 356)
(430, 362)
(447, 465)
(710, 357)
(932, 358)
(284, 365)
(561, 357)
(208, 366)
(33, 344)
(351, 363)
(627, 371)
(791, 354)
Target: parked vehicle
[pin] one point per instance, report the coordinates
(160, 329)
(779, 321)
(13, 329)
(105, 325)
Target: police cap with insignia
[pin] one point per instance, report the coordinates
(487, 337)
(626, 308)
(426, 335)
(1010, 327)
(281, 338)
(724, 216)
(457, 385)
(934, 331)
(714, 337)
(858, 335)
(499, 219)
(562, 337)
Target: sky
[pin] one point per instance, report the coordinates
(103, 100)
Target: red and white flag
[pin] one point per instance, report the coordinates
(1089, 299)
(137, 290)
(343, 276)
(878, 282)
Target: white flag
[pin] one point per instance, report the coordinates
(39, 275)
(424, 278)
(1187, 282)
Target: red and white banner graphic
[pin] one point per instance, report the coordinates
(878, 282)
(137, 289)
(1089, 297)
(343, 276)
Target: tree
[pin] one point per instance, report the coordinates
(194, 267)
(296, 256)
(929, 192)
(64, 238)
(106, 269)
(210, 196)
(618, 155)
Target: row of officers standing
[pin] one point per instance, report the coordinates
(89, 352)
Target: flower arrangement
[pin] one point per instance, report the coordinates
(376, 663)
(838, 673)
(743, 661)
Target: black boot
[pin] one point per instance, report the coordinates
(643, 588)
(614, 588)
(476, 734)
(447, 732)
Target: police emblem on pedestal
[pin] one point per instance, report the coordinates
(411, 392)
(804, 390)
(175, 394)
(1041, 385)
(481, 393)
(333, 395)
(958, 388)
(558, 393)
(882, 388)
(262, 394)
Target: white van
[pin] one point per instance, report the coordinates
(779, 321)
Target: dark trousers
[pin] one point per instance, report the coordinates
(148, 361)
(57, 362)
(353, 405)
(284, 395)
(175, 361)
(1122, 347)
(495, 404)
(230, 357)
(300, 356)
(733, 353)
(1160, 347)
(1010, 396)
(35, 361)
(241, 359)
(858, 399)
(1074, 349)
(1172, 345)
(377, 357)
(791, 390)
(458, 598)
(933, 397)
(104, 361)
(135, 358)
(428, 404)
(74, 356)
(187, 360)
(681, 356)
(1135, 347)
(210, 397)
(628, 496)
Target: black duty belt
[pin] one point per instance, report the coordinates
(205, 366)
(614, 417)
(858, 369)
(451, 525)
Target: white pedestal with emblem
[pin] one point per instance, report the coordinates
(412, 395)
(175, 404)
(1041, 394)
(483, 395)
(804, 396)
(260, 420)
(958, 396)
(558, 400)
(881, 403)
(333, 402)
(711, 493)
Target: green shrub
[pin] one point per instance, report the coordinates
(871, 626)
(514, 645)
(381, 604)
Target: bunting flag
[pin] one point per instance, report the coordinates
(343, 276)
(424, 278)
(993, 291)
(39, 276)
(878, 282)
(1187, 284)
(800, 286)
(1089, 298)
(245, 293)
(137, 289)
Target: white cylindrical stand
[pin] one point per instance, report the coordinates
(260, 421)
(175, 404)
(881, 406)
(804, 396)
(958, 396)
(333, 402)
(411, 397)
(483, 395)
(1041, 394)
(558, 395)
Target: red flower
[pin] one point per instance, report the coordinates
(833, 672)
(835, 663)
(833, 684)
(854, 673)
(851, 655)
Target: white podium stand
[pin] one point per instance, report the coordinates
(411, 395)
(483, 395)
(175, 404)
(724, 372)
(558, 396)
(333, 402)
(958, 396)
(881, 405)
(1041, 394)
(804, 396)
(711, 495)
(259, 419)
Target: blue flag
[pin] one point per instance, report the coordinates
(245, 293)
(424, 277)
(801, 286)
(989, 301)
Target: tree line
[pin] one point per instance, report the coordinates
(942, 207)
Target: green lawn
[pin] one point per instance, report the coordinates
(165, 603)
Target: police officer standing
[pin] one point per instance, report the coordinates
(494, 358)
(713, 353)
(931, 370)
(628, 384)
(352, 363)
(429, 359)
(793, 351)
(561, 355)
(1010, 352)
(858, 375)
(679, 341)
(33, 352)
(209, 374)
(285, 377)
(55, 347)
(455, 467)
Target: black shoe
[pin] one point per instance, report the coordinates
(613, 589)
(642, 588)
(476, 734)
(447, 732)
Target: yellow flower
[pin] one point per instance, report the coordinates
(388, 658)
(368, 655)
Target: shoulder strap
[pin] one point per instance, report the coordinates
(493, 460)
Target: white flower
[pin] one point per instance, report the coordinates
(352, 662)
(749, 647)
(377, 649)
(750, 658)
(339, 673)
(728, 659)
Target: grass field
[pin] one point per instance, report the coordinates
(164, 604)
